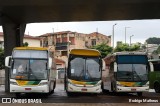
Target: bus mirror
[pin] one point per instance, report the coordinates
(8, 61)
(115, 67)
(151, 66)
(49, 63)
(103, 65)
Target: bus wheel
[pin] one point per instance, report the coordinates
(139, 93)
(112, 87)
(69, 94)
(102, 87)
(157, 87)
(54, 86)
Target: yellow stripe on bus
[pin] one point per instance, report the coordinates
(30, 48)
(78, 82)
(85, 52)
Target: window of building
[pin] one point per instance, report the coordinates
(93, 42)
(64, 53)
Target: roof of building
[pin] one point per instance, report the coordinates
(25, 36)
(57, 33)
(96, 34)
(70, 32)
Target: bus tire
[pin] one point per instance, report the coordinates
(112, 87)
(157, 87)
(139, 93)
(102, 87)
(69, 94)
(54, 86)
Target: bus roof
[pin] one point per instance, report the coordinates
(154, 60)
(130, 53)
(85, 52)
(30, 48)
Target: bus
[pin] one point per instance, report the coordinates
(31, 70)
(127, 72)
(154, 75)
(84, 72)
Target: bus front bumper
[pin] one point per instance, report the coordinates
(132, 89)
(29, 89)
(93, 89)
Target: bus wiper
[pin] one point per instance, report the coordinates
(30, 73)
(87, 73)
(136, 75)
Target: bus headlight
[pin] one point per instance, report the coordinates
(118, 84)
(146, 85)
(43, 83)
(99, 83)
(13, 83)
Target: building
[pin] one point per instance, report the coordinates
(31, 40)
(60, 43)
(96, 38)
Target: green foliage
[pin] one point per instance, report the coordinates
(157, 51)
(103, 48)
(153, 40)
(25, 44)
(2, 66)
(126, 47)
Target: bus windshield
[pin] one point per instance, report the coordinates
(132, 72)
(29, 69)
(132, 68)
(85, 69)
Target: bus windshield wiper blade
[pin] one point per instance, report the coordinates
(137, 75)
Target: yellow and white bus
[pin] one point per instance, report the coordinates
(84, 71)
(31, 70)
(127, 72)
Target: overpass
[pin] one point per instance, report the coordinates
(15, 14)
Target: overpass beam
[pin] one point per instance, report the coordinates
(13, 37)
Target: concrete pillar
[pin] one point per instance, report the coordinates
(13, 37)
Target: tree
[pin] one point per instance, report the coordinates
(2, 66)
(103, 48)
(157, 51)
(153, 40)
(126, 47)
(25, 44)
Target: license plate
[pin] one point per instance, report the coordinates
(133, 89)
(28, 89)
(83, 89)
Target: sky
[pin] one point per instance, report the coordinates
(140, 29)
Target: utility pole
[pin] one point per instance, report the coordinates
(113, 34)
(130, 39)
(126, 33)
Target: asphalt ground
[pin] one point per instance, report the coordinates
(60, 98)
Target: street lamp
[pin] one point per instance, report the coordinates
(125, 33)
(113, 34)
(130, 39)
